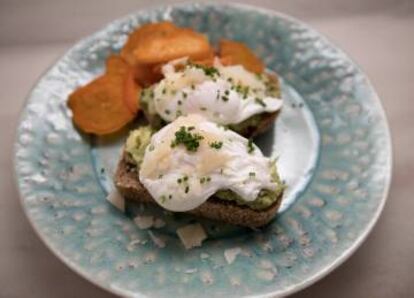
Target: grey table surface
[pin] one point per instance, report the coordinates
(378, 35)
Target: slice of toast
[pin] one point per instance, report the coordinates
(128, 184)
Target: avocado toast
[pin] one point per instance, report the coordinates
(224, 205)
(252, 126)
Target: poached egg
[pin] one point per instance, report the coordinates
(190, 159)
(223, 94)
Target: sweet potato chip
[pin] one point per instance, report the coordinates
(132, 92)
(233, 52)
(208, 60)
(226, 61)
(115, 65)
(172, 45)
(154, 44)
(146, 75)
(139, 35)
(99, 106)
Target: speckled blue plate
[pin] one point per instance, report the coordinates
(331, 138)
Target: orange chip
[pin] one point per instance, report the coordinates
(151, 45)
(208, 60)
(172, 45)
(132, 92)
(139, 35)
(99, 106)
(115, 65)
(146, 75)
(226, 61)
(233, 52)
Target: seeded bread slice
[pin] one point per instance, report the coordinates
(128, 184)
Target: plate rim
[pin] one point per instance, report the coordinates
(346, 254)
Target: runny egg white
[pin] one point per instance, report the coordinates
(190, 159)
(223, 94)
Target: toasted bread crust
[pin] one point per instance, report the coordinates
(266, 121)
(128, 184)
(265, 124)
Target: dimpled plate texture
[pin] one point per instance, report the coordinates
(65, 202)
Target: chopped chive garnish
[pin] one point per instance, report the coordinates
(250, 147)
(208, 70)
(216, 145)
(205, 179)
(183, 136)
(260, 102)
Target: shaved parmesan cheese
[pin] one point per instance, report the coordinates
(115, 198)
(235, 281)
(192, 235)
(265, 275)
(191, 270)
(158, 223)
(144, 221)
(267, 265)
(131, 245)
(204, 255)
(231, 254)
(157, 240)
(206, 277)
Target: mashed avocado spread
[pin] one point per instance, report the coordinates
(137, 142)
(139, 139)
